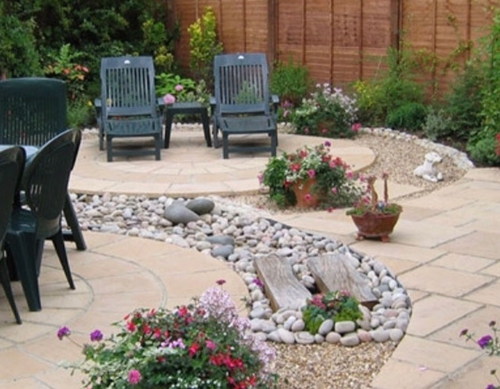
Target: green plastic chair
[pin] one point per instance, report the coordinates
(33, 110)
(12, 162)
(242, 104)
(128, 107)
(45, 183)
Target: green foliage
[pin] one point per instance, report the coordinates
(290, 81)
(329, 113)
(396, 86)
(64, 66)
(204, 45)
(274, 178)
(437, 124)
(482, 143)
(408, 116)
(81, 113)
(337, 306)
(19, 56)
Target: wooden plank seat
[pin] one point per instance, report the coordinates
(334, 271)
(282, 288)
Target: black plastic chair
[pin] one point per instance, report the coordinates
(128, 107)
(33, 110)
(45, 183)
(12, 162)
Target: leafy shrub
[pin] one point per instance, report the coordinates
(204, 45)
(327, 112)
(437, 124)
(395, 87)
(81, 113)
(409, 116)
(290, 81)
(482, 147)
(19, 56)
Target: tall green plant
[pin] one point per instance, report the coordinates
(482, 143)
(204, 45)
(18, 53)
(291, 81)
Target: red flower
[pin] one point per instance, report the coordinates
(193, 349)
(131, 326)
(295, 167)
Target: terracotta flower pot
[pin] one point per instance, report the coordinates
(305, 193)
(372, 225)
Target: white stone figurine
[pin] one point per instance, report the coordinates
(427, 170)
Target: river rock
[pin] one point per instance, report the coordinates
(326, 327)
(343, 327)
(350, 340)
(201, 206)
(179, 214)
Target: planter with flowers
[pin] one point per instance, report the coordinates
(375, 218)
(202, 345)
(310, 177)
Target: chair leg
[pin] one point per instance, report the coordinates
(76, 232)
(157, 139)
(225, 145)
(274, 143)
(109, 148)
(216, 133)
(58, 242)
(4, 280)
(22, 248)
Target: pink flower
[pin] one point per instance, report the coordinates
(260, 177)
(349, 175)
(356, 127)
(179, 87)
(134, 377)
(286, 112)
(311, 173)
(306, 130)
(308, 197)
(324, 131)
(169, 99)
(334, 190)
(211, 345)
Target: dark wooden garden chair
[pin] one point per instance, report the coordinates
(243, 104)
(128, 107)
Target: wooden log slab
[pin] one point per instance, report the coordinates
(281, 286)
(334, 271)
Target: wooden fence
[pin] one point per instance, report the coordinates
(344, 40)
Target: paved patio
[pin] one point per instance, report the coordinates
(445, 251)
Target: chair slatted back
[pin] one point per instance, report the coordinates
(127, 87)
(32, 110)
(241, 84)
(47, 176)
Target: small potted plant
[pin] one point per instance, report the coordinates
(310, 177)
(375, 218)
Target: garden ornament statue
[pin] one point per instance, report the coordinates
(427, 170)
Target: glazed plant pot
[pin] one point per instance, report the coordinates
(373, 225)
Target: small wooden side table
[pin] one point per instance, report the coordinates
(186, 109)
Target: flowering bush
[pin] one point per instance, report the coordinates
(370, 203)
(338, 306)
(201, 345)
(174, 88)
(328, 113)
(489, 343)
(334, 182)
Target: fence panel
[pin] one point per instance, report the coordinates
(344, 40)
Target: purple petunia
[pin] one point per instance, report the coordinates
(96, 336)
(485, 341)
(62, 332)
(491, 386)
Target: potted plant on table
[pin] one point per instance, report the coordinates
(375, 218)
(310, 177)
